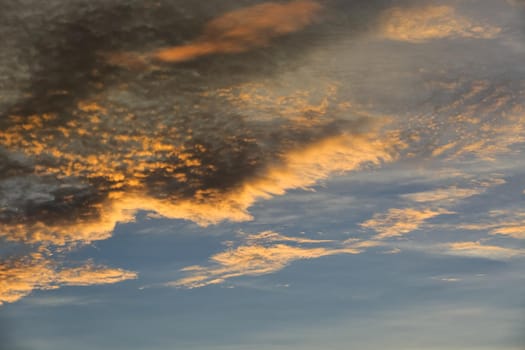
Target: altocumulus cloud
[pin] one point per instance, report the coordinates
(422, 23)
(183, 115)
(72, 167)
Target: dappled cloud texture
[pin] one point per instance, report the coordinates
(76, 161)
(84, 180)
(86, 143)
(422, 23)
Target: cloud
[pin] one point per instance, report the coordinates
(261, 254)
(450, 195)
(508, 223)
(251, 261)
(62, 188)
(36, 213)
(480, 120)
(399, 222)
(476, 249)
(74, 183)
(19, 277)
(244, 29)
(514, 231)
(52, 74)
(423, 23)
(270, 237)
(85, 145)
(233, 32)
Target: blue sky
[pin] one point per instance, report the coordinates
(266, 175)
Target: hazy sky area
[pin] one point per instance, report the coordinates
(252, 175)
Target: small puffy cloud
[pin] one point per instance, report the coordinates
(19, 277)
(399, 222)
(424, 23)
(261, 254)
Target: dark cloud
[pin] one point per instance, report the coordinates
(87, 140)
(63, 125)
(56, 48)
(85, 143)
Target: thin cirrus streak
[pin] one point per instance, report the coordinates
(483, 250)
(234, 32)
(263, 253)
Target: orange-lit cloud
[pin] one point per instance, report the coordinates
(261, 255)
(500, 222)
(480, 250)
(423, 23)
(399, 222)
(484, 120)
(75, 182)
(70, 181)
(19, 277)
(209, 149)
(450, 195)
(515, 231)
(234, 32)
(299, 169)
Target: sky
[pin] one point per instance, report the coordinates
(262, 175)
